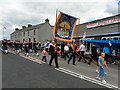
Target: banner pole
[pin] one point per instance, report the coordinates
(56, 20)
(56, 14)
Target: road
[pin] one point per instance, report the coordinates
(18, 72)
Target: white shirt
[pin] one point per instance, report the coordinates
(49, 45)
(113, 53)
(66, 48)
(82, 48)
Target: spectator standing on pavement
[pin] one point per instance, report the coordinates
(53, 53)
(44, 55)
(72, 53)
(82, 51)
(107, 52)
(113, 56)
(102, 65)
(66, 51)
(98, 55)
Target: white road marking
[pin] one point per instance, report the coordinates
(86, 78)
(32, 59)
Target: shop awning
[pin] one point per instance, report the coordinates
(109, 43)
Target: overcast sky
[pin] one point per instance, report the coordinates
(15, 13)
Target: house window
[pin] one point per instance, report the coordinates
(23, 34)
(23, 40)
(34, 32)
(28, 33)
(34, 40)
(29, 39)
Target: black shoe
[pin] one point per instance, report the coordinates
(74, 64)
(57, 66)
(85, 61)
(89, 63)
(50, 65)
(68, 62)
(79, 60)
(107, 62)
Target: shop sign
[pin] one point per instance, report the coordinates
(102, 23)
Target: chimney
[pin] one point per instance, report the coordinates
(23, 27)
(29, 25)
(47, 20)
(16, 29)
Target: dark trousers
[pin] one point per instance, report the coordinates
(62, 53)
(94, 57)
(56, 60)
(26, 50)
(66, 55)
(106, 58)
(72, 56)
(82, 54)
(35, 50)
(49, 51)
(44, 58)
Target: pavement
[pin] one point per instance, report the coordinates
(80, 70)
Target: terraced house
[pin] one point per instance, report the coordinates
(38, 33)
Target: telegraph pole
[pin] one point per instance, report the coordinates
(3, 33)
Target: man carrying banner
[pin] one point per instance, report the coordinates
(64, 30)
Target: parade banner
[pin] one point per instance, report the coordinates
(64, 27)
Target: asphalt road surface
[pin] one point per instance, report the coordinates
(17, 72)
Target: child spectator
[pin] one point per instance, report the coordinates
(102, 64)
(44, 55)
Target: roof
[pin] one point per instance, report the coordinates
(31, 27)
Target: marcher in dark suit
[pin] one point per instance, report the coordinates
(62, 50)
(94, 53)
(53, 54)
(27, 48)
(72, 53)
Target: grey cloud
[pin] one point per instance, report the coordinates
(19, 18)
